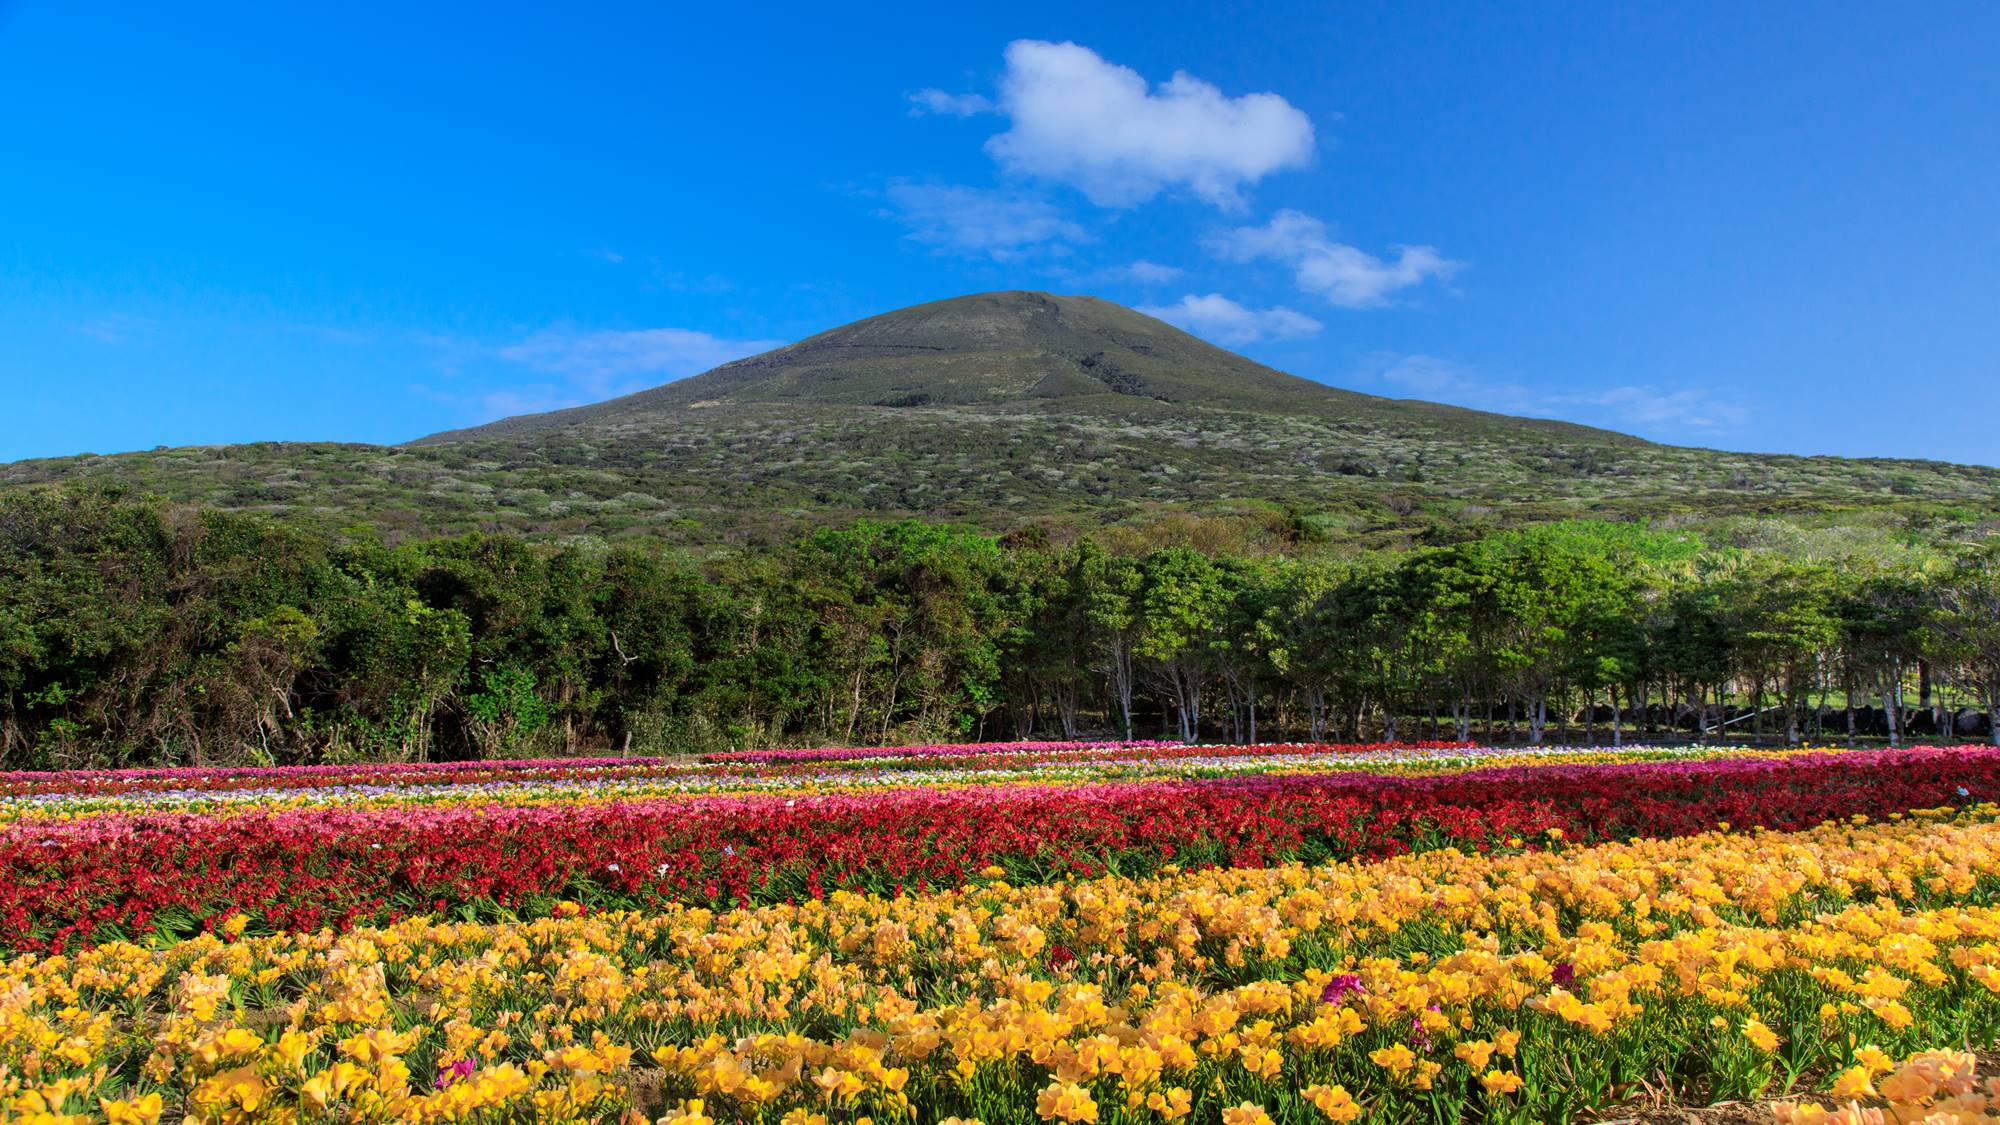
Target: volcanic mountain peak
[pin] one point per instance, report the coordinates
(986, 348)
(1005, 409)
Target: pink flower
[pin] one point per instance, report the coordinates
(1342, 986)
(463, 1068)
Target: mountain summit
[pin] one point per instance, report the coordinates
(980, 349)
(1009, 409)
(989, 349)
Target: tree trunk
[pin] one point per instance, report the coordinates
(1848, 689)
(1121, 684)
(1890, 705)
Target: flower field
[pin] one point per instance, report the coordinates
(1118, 933)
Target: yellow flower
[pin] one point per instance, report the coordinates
(1874, 1059)
(1908, 1084)
(1474, 1053)
(1173, 1104)
(1246, 1114)
(142, 1110)
(1262, 1062)
(691, 1112)
(1499, 1083)
(230, 1044)
(1853, 1083)
(1334, 1102)
(1761, 1036)
(1397, 1060)
(1065, 1101)
(238, 1089)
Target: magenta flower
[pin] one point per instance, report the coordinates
(1341, 987)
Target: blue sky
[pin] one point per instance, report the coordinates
(1766, 227)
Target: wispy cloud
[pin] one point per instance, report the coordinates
(564, 365)
(508, 402)
(1145, 273)
(939, 103)
(1344, 275)
(1078, 119)
(603, 362)
(1002, 225)
(1217, 318)
(604, 254)
(1640, 406)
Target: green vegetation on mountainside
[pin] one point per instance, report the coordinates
(1002, 410)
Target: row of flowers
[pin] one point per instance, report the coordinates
(95, 878)
(18, 787)
(946, 750)
(20, 783)
(1056, 750)
(609, 783)
(1524, 986)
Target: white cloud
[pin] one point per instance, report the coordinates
(1216, 317)
(948, 105)
(1640, 406)
(1147, 273)
(1002, 225)
(1656, 408)
(1440, 379)
(1080, 120)
(1342, 274)
(604, 254)
(602, 363)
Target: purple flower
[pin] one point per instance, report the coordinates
(1341, 987)
(463, 1068)
(1564, 974)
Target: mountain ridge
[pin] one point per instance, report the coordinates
(1011, 409)
(991, 348)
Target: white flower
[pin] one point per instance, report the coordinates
(611, 867)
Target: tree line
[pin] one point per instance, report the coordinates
(134, 632)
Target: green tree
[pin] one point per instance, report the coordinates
(1969, 622)
(1181, 604)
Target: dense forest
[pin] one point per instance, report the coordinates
(133, 631)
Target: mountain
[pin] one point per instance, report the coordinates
(1009, 349)
(1005, 409)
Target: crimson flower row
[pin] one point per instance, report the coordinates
(125, 875)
